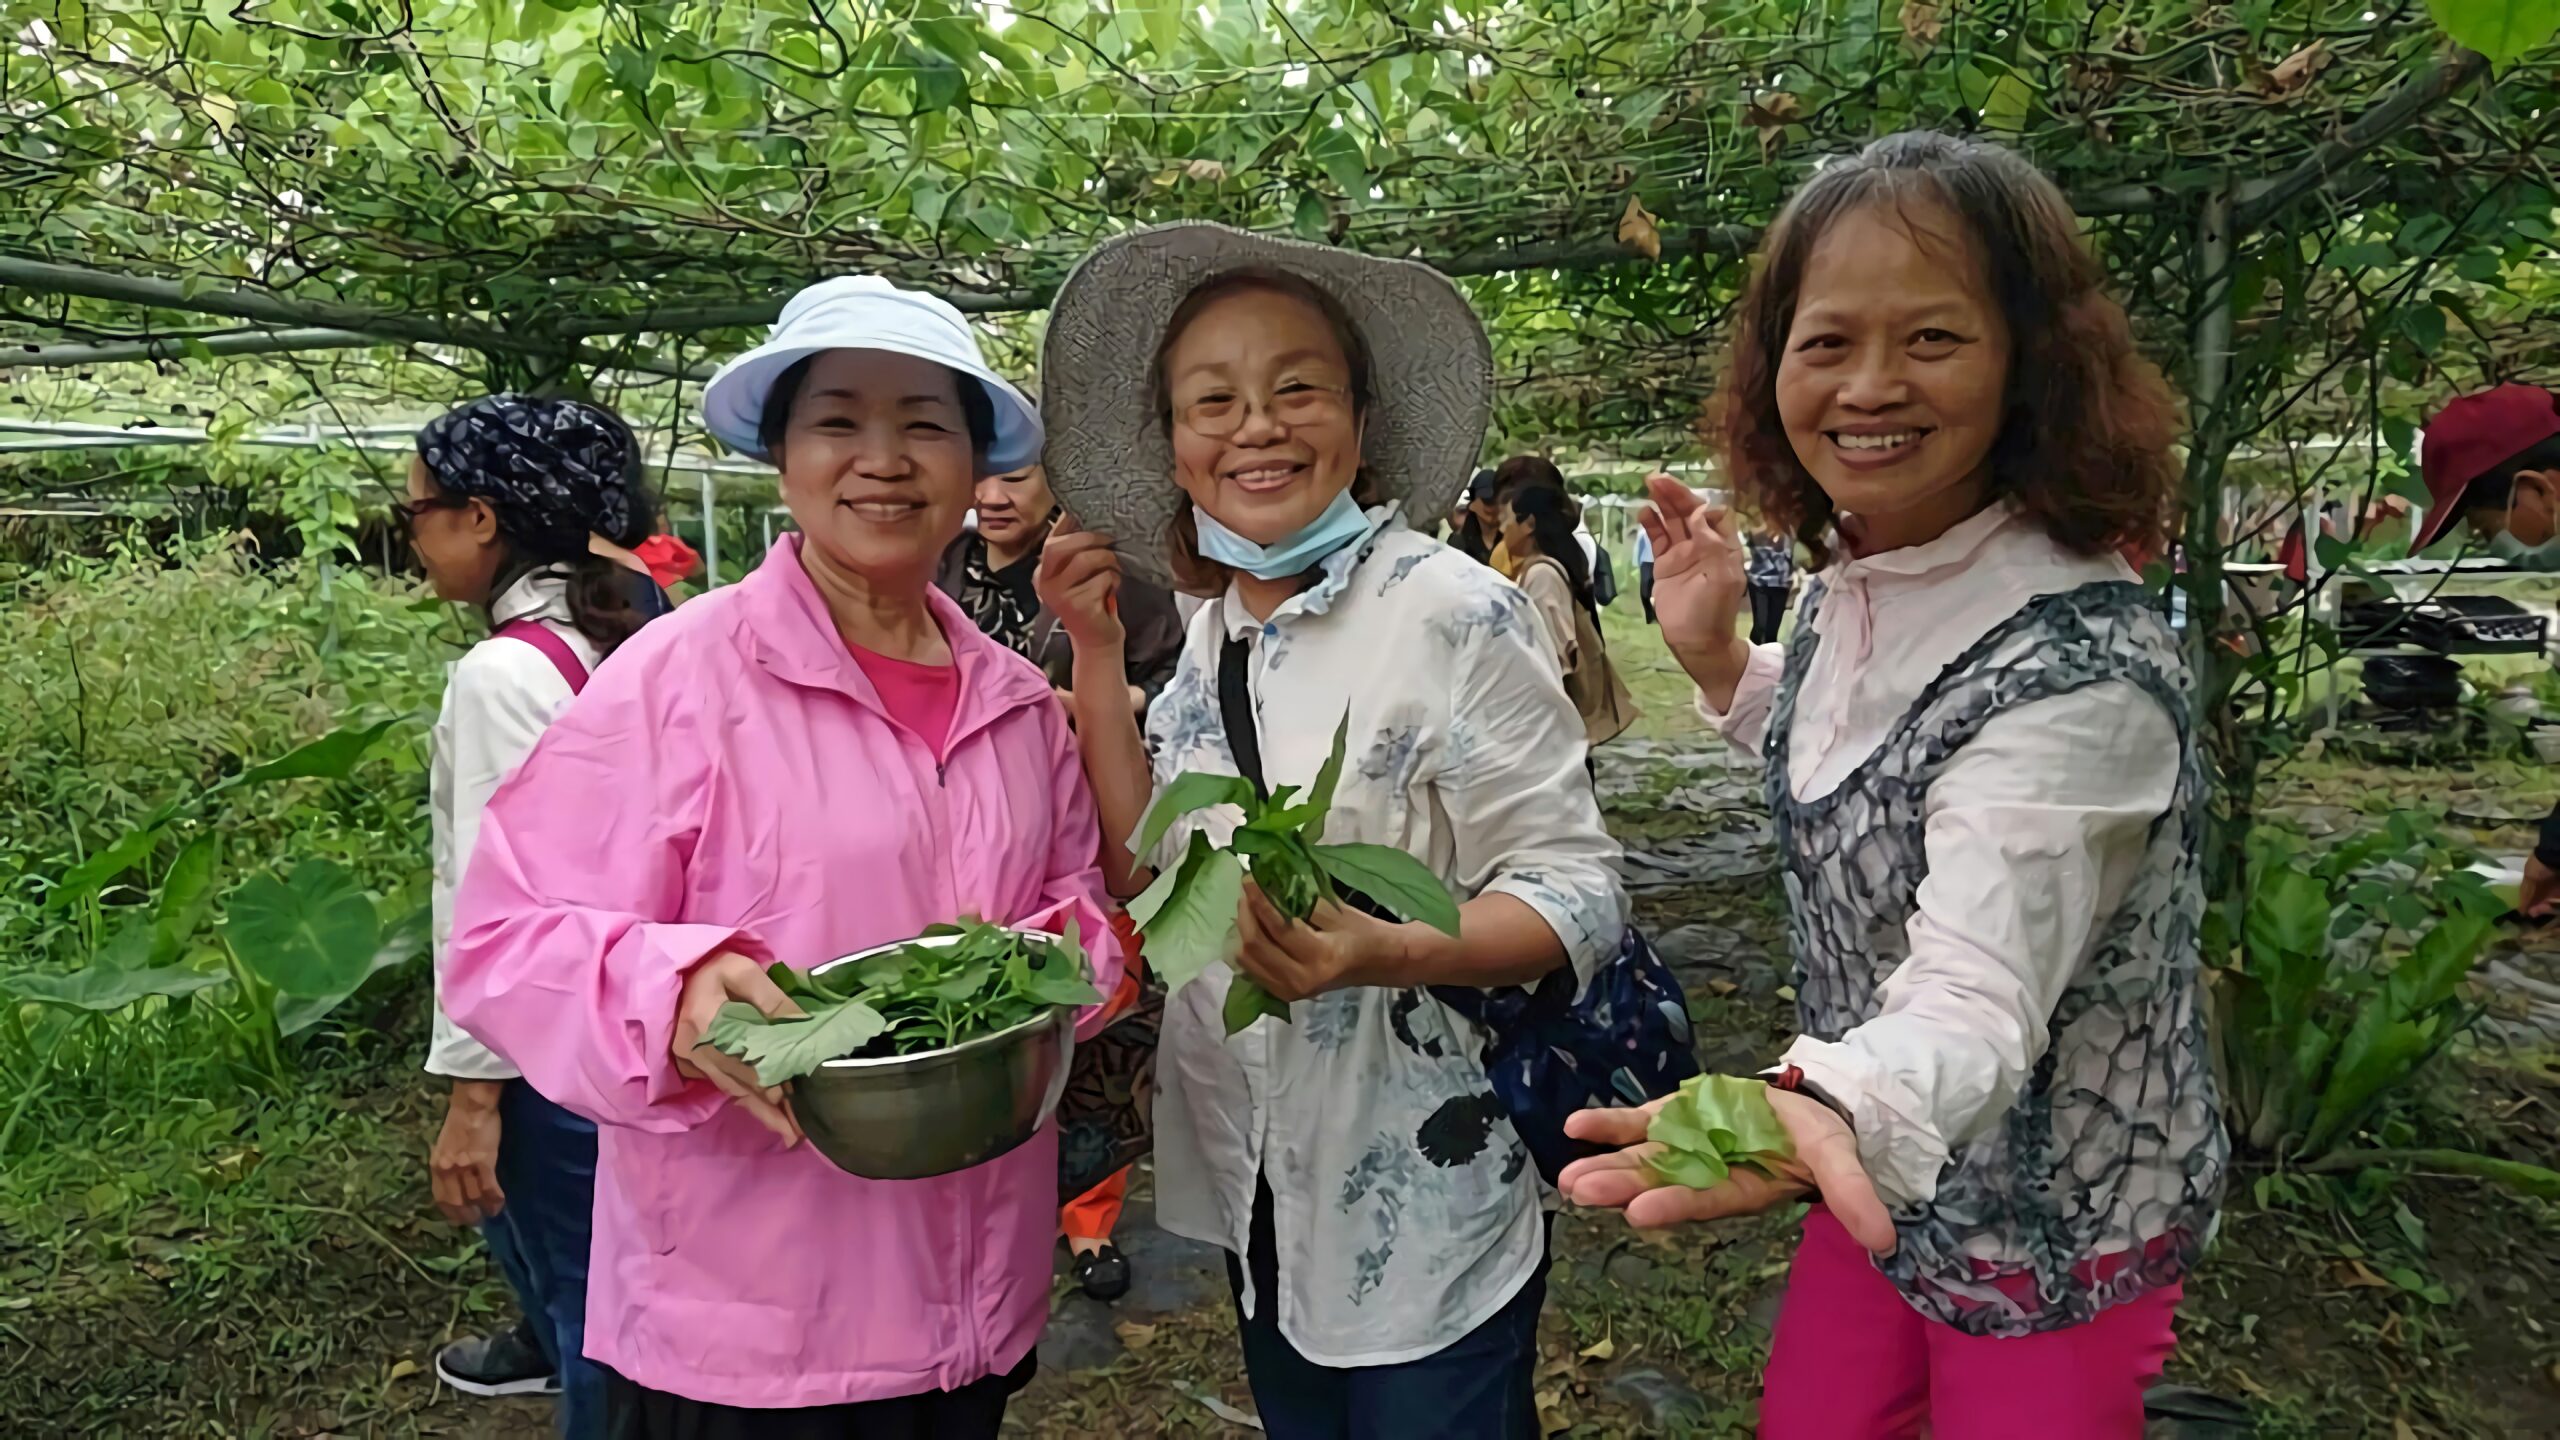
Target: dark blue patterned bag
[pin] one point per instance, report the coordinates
(1622, 1039)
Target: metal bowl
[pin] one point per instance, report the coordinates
(908, 1117)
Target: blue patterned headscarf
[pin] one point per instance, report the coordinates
(554, 470)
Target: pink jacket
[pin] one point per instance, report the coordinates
(730, 781)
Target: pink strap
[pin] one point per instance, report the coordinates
(554, 649)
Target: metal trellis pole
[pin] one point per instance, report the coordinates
(710, 531)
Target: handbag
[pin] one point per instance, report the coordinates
(1553, 1048)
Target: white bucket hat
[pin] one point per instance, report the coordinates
(1110, 460)
(865, 312)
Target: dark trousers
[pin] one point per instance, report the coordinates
(1768, 611)
(547, 1167)
(1477, 1389)
(1644, 589)
(971, 1412)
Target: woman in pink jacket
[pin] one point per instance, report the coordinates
(822, 758)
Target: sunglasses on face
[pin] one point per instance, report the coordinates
(408, 511)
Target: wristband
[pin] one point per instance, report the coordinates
(1791, 1079)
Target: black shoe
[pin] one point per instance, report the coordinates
(1103, 1273)
(507, 1363)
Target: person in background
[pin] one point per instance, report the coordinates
(510, 505)
(1985, 783)
(989, 571)
(1538, 528)
(1512, 476)
(820, 759)
(1644, 572)
(2492, 463)
(1251, 417)
(1604, 575)
(1476, 525)
(1771, 571)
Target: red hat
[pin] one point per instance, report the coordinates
(2473, 435)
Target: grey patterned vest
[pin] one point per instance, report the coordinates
(2101, 1183)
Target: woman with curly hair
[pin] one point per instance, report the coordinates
(1986, 797)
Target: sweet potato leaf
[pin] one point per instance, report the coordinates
(1247, 1002)
(1189, 792)
(1188, 915)
(788, 1049)
(1711, 1124)
(1404, 885)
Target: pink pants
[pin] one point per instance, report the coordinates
(1854, 1361)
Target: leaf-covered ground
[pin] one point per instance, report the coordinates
(204, 1272)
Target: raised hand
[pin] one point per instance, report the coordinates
(1079, 581)
(1698, 585)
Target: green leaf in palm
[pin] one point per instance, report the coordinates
(1712, 1124)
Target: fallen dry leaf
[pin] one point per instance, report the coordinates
(1134, 1335)
(2356, 1275)
(1551, 1418)
(1207, 172)
(1721, 987)
(1604, 1348)
(2299, 68)
(1637, 230)
(1921, 23)
(401, 1371)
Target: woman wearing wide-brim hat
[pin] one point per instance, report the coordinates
(1253, 420)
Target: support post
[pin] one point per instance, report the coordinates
(710, 530)
(2205, 499)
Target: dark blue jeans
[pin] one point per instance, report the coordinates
(1477, 1389)
(547, 1167)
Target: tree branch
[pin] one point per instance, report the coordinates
(2261, 202)
(185, 347)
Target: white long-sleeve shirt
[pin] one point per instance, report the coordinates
(498, 699)
(2035, 831)
(1405, 1210)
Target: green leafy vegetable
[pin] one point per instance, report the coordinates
(1712, 1124)
(956, 983)
(1188, 916)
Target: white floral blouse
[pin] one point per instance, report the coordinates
(1406, 1211)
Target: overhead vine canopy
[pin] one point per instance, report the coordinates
(550, 183)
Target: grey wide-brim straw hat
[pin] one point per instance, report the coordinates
(1110, 455)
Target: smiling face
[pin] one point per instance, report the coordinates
(1265, 433)
(1013, 510)
(876, 464)
(1894, 378)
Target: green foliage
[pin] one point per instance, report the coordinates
(1189, 914)
(2344, 980)
(956, 983)
(147, 685)
(2503, 30)
(309, 935)
(1711, 1124)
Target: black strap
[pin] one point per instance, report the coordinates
(1235, 711)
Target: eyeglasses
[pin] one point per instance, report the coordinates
(1221, 413)
(407, 511)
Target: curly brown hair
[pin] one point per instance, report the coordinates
(2084, 443)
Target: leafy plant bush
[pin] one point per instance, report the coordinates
(173, 724)
(2343, 979)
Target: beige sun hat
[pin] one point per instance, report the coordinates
(1109, 457)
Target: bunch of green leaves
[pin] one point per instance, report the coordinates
(1189, 915)
(2343, 977)
(974, 979)
(1713, 1123)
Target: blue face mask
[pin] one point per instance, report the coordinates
(1341, 523)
